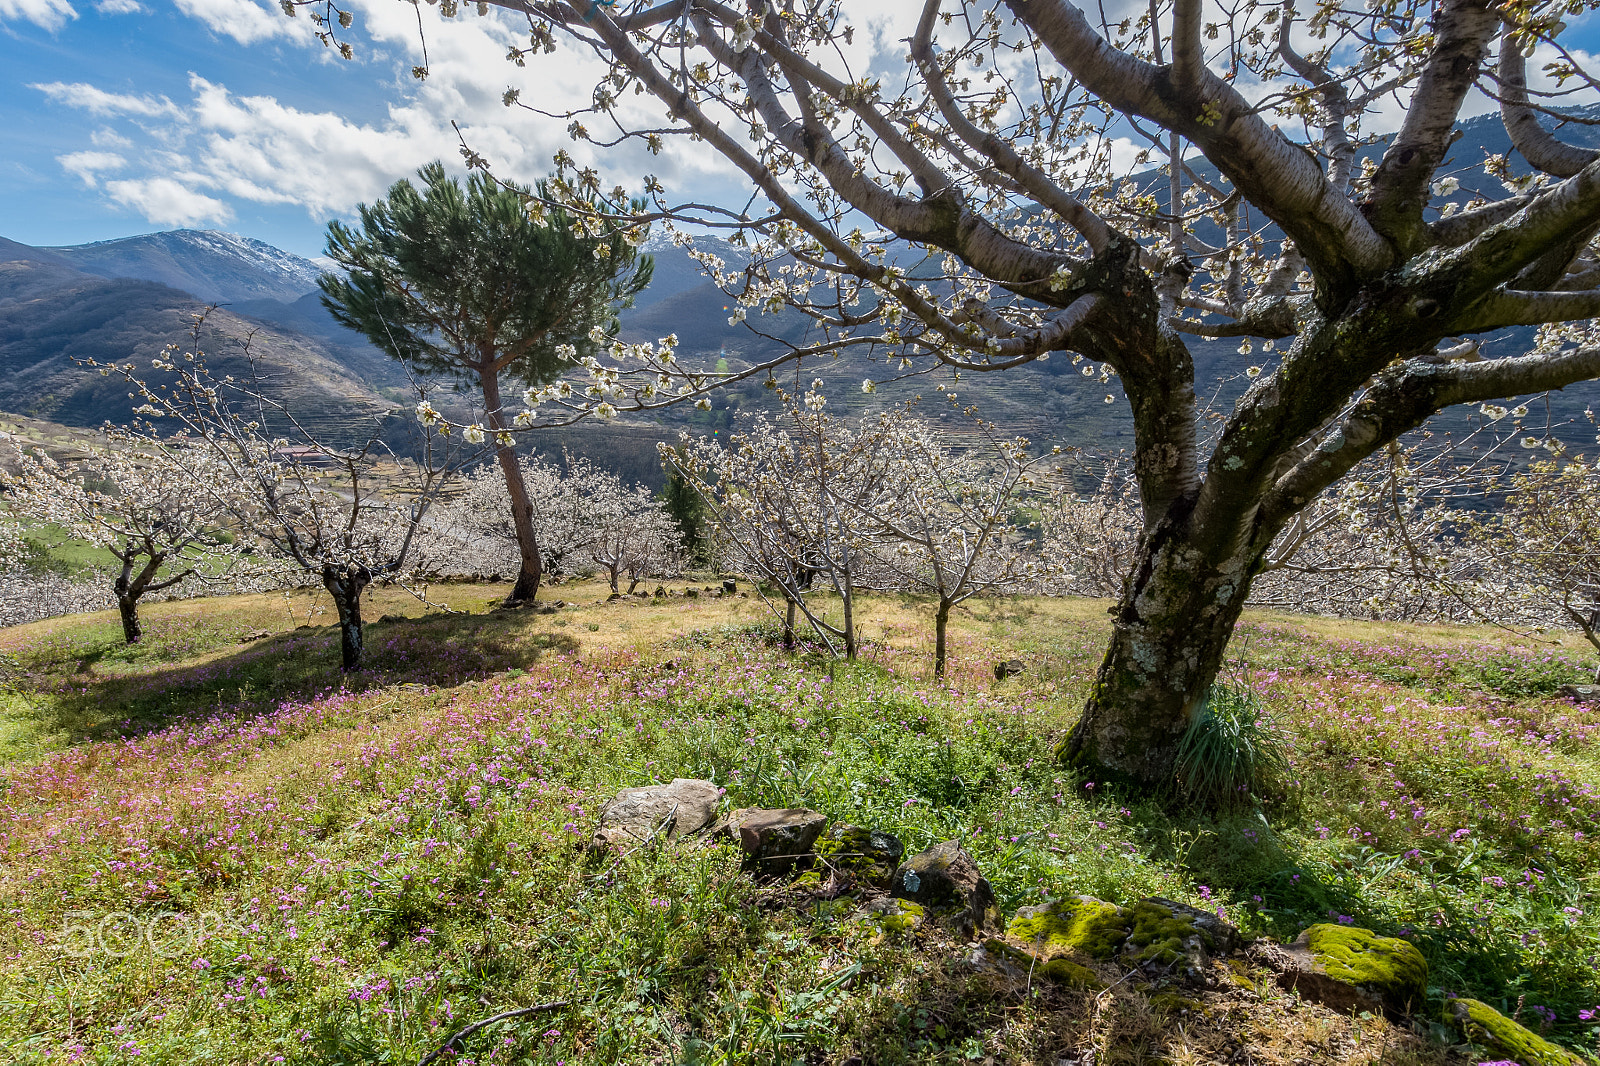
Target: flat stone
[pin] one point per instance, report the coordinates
(634, 815)
(945, 880)
(1580, 693)
(1349, 968)
(773, 841)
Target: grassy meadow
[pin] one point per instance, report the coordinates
(216, 849)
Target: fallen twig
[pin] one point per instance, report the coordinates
(475, 1026)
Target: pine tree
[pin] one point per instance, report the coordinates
(479, 283)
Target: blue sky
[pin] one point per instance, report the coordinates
(127, 116)
(120, 117)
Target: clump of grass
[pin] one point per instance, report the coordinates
(1231, 755)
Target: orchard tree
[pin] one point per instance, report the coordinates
(945, 522)
(346, 516)
(483, 282)
(789, 499)
(135, 500)
(636, 538)
(1011, 227)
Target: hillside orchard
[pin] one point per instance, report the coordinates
(1353, 267)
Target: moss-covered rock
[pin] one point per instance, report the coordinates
(1486, 1026)
(895, 918)
(1349, 968)
(945, 880)
(1082, 925)
(865, 856)
(1153, 932)
(1007, 960)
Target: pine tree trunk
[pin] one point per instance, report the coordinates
(941, 624)
(1169, 635)
(346, 586)
(531, 571)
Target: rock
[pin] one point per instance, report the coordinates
(894, 917)
(1007, 668)
(260, 634)
(1580, 693)
(864, 856)
(613, 597)
(946, 880)
(1153, 933)
(660, 592)
(773, 840)
(635, 814)
(1486, 1026)
(691, 593)
(1348, 968)
(1004, 959)
(730, 586)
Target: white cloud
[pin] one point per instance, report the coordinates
(219, 147)
(120, 7)
(244, 21)
(106, 137)
(88, 165)
(167, 202)
(46, 14)
(86, 97)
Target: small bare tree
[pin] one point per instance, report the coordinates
(346, 515)
(788, 499)
(1541, 550)
(636, 538)
(945, 522)
(135, 500)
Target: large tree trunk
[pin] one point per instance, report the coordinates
(128, 607)
(130, 586)
(532, 568)
(1168, 637)
(346, 586)
(941, 625)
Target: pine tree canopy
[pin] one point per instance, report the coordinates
(484, 278)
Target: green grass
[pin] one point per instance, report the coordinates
(349, 869)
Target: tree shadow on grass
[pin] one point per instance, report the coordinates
(1287, 894)
(439, 651)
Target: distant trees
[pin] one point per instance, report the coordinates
(810, 503)
(483, 282)
(136, 499)
(346, 516)
(579, 514)
(1543, 547)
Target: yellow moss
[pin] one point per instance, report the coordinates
(1387, 965)
(1091, 926)
(1062, 971)
(1158, 934)
(1487, 1026)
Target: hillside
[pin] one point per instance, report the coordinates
(53, 316)
(213, 848)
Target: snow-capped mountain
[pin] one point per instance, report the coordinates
(216, 267)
